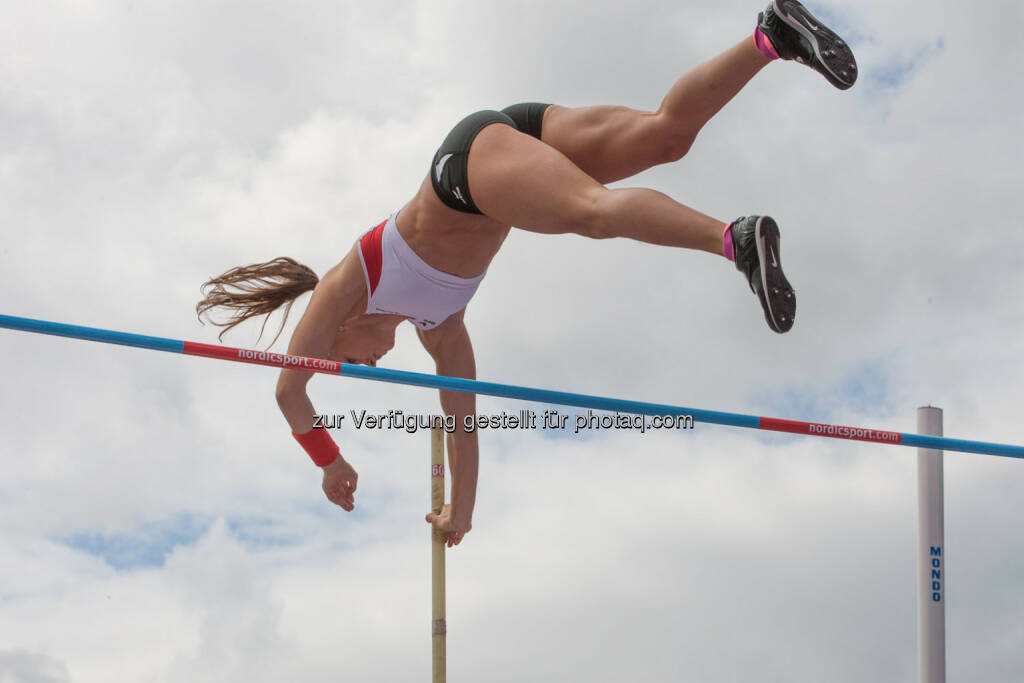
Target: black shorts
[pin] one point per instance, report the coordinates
(449, 170)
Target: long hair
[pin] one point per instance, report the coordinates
(252, 291)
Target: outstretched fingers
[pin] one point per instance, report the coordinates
(340, 485)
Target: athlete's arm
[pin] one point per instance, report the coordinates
(334, 296)
(449, 345)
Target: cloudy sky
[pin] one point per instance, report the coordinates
(158, 523)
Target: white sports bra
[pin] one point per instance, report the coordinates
(399, 282)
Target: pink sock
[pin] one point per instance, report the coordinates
(764, 45)
(727, 243)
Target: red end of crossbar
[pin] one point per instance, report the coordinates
(281, 360)
(835, 431)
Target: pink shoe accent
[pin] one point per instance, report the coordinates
(727, 243)
(764, 45)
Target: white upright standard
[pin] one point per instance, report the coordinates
(931, 555)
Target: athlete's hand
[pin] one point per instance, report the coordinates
(454, 531)
(340, 483)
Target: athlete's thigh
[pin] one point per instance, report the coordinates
(520, 181)
(609, 143)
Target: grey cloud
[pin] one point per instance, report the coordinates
(21, 666)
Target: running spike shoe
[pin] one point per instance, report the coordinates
(755, 241)
(797, 35)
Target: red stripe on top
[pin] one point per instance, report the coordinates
(835, 431)
(370, 245)
(281, 360)
(777, 425)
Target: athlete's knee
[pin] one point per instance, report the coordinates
(590, 214)
(673, 139)
(676, 143)
(676, 148)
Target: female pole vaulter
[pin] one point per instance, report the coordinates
(541, 168)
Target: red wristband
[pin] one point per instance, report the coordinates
(320, 446)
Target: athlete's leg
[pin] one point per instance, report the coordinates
(612, 143)
(521, 181)
(518, 180)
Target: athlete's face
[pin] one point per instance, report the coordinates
(363, 340)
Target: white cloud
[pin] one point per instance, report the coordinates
(144, 148)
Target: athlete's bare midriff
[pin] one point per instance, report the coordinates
(453, 242)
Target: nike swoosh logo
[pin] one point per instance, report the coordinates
(775, 264)
(440, 165)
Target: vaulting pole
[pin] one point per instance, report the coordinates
(931, 555)
(439, 624)
(508, 390)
